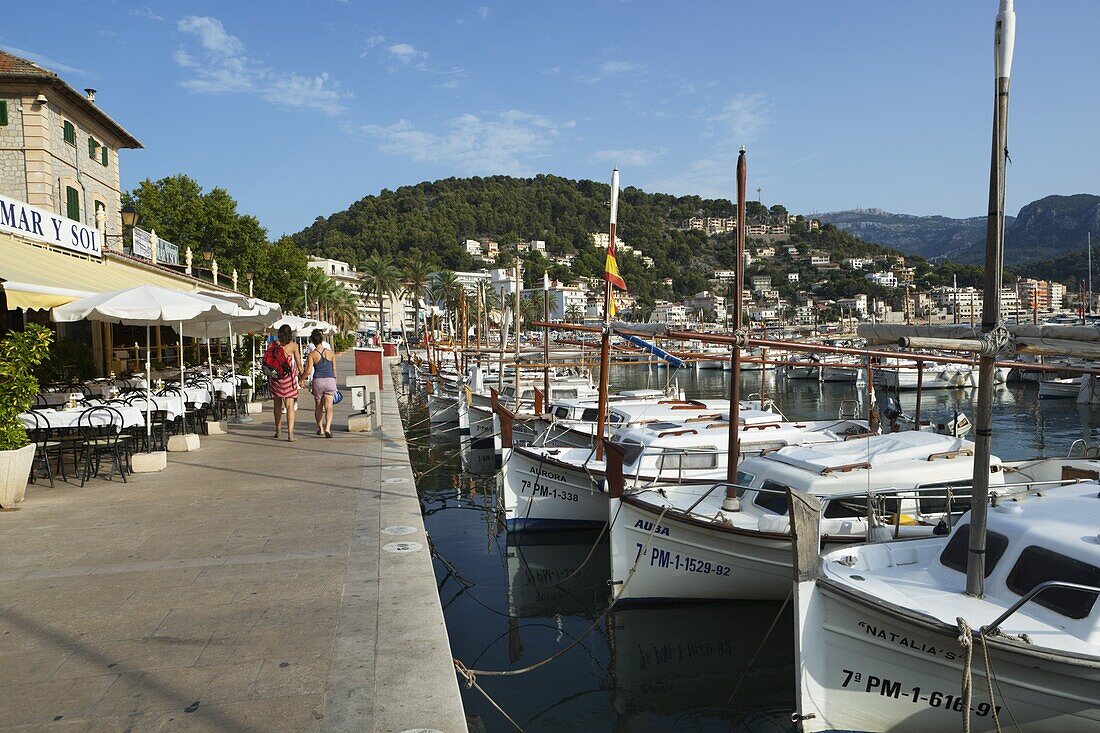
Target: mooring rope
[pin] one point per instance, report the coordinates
(966, 640)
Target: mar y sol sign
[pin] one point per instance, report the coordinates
(21, 218)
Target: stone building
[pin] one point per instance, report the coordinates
(58, 148)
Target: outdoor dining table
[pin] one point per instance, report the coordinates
(131, 417)
(227, 387)
(193, 395)
(172, 405)
(102, 388)
(53, 399)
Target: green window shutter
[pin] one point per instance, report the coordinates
(91, 147)
(104, 156)
(72, 203)
(3, 113)
(70, 133)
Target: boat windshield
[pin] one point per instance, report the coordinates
(955, 553)
(631, 450)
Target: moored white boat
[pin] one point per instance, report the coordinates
(878, 626)
(1056, 389)
(698, 549)
(559, 487)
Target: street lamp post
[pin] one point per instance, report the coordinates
(130, 218)
(305, 298)
(249, 275)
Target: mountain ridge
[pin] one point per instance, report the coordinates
(1045, 229)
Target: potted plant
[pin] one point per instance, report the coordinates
(20, 353)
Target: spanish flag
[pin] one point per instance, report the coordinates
(611, 274)
(611, 265)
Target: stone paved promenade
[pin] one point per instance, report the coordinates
(242, 589)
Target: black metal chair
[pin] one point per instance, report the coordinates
(46, 448)
(101, 435)
(156, 437)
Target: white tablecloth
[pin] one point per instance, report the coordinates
(53, 399)
(131, 416)
(196, 395)
(103, 388)
(171, 404)
(225, 387)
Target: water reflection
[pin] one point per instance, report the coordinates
(549, 575)
(684, 663)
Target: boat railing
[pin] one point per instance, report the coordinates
(1087, 451)
(1030, 595)
(879, 512)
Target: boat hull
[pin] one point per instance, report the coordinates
(442, 408)
(870, 667)
(689, 560)
(1059, 390)
(541, 494)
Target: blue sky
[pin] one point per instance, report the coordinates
(300, 108)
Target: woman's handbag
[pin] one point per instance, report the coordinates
(338, 397)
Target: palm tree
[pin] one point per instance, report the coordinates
(574, 314)
(447, 289)
(343, 310)
(415, 279)
(320, 289)
(530, 310)
(380, 276)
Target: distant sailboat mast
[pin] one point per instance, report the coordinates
(1089, 234)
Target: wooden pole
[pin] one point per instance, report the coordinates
(731, 501)
(1004, 39)
(546, 341)
(920, 387)
(519, 284)
(763, 375)
(605, 335)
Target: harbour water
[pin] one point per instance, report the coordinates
(511, 602)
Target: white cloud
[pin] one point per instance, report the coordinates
(145, 12)
(451, 84)
(308, 92)
(406, 53)
(486, 144)
(552, 71)
(609, 69)
(636, 157)
(707, 177)
(221, 65)
(743, 119)
(400, 56)
(212, 35)
(48, 63)
(375, 40)
(483, 11)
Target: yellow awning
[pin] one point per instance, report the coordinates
(39, 278)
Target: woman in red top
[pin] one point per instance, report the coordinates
(284, 390)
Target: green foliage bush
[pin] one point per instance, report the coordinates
(342, 342)
(20, 353)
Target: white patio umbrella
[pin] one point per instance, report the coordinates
(253, 315)
(146, 305)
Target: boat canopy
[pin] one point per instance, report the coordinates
(875, 450)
